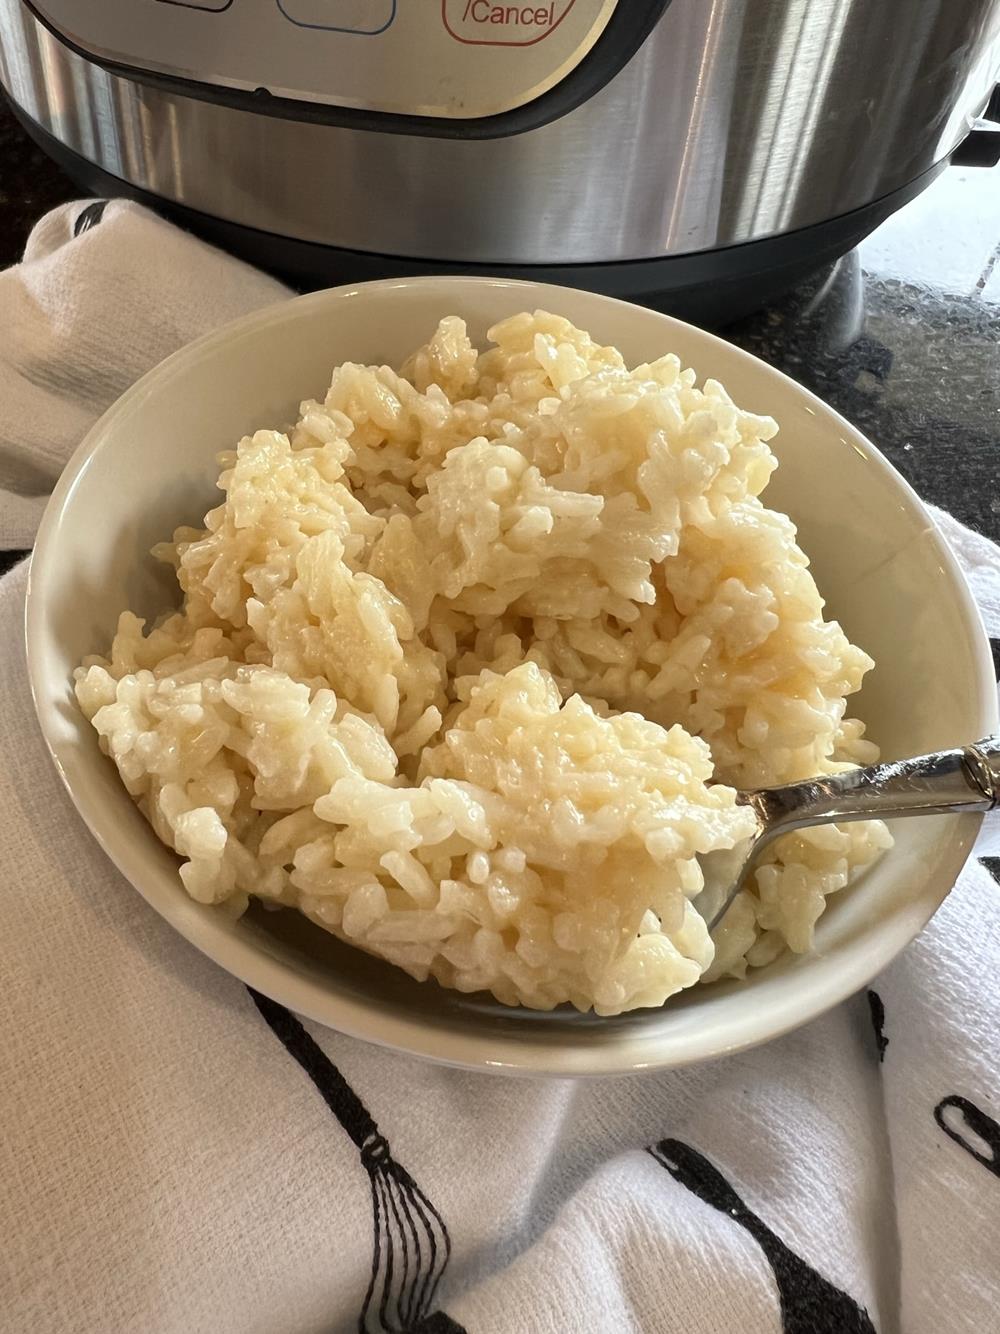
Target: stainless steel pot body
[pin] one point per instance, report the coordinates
(734, 119)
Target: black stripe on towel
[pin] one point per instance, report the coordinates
(810, 1304)
(89, 217)
(438, 1323)
(877, 1011)
(8, 559)
(970, 1117)
(410, 1241)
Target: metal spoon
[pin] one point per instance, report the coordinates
(947, 781)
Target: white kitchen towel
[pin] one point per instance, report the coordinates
(178, 1156)
(87, 312)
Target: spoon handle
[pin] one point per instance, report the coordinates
(967, 779)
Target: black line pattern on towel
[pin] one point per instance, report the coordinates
(995, 650)
(976, 1120)
(992, 865)
(810, 1304)
(877, 1011)
(410, 1242)
(89, 217)
(8, 559)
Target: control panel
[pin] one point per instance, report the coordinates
(460, 59)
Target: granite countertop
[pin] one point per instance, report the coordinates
(902, 335)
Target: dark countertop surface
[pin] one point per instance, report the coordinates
(903, 338)
(902, 335)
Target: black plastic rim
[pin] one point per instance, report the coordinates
(711, 287)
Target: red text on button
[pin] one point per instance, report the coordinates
(486, 23)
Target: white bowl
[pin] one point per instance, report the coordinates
(149, 465)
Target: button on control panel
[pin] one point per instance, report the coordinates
(213, 6)
(454, 59)
(369, 17)
(485, 23)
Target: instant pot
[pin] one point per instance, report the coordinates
(696, 154)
